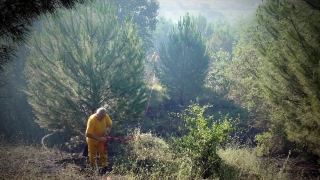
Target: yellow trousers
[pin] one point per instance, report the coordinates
(93, 147)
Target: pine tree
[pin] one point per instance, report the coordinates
(144, 13)
(289, 43)
(83, 60)
(184, 61)
(17, 18)
(161, 33)
(205, 27)
(243, 70)
(220, 48)
(16, 114)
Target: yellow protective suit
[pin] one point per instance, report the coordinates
(97, 128)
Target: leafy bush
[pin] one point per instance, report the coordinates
(274, 142)
(203, 139)
(264, 142)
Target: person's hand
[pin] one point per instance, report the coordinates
(104, 139)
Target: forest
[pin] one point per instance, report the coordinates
(199, 98)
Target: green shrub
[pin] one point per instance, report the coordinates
(274, 142)
(264, 142)
(203, 139)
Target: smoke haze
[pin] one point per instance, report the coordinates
(226, 10)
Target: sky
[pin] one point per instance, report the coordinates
(213, 10)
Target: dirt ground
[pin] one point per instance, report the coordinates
(25, 162)
(35, 163)
(299, 169)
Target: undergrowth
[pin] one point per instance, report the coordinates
(250, 166)
(148, 157)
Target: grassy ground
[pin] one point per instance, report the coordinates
(253, 167)
(29, 162)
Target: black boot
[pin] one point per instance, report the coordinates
(105, 170)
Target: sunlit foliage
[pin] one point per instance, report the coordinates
(288, 41)
(204, 137)
(81, 61)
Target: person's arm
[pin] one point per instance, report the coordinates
(108, 130)
(109, 124)
(96, 137)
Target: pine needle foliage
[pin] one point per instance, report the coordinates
(144, 13)
(184, 61)
(17, 18)
(80, 61)
(289, 44)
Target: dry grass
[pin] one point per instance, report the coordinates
(27, 162)
(249, 165)
(147, 158)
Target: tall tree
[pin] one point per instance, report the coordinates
(184, 61)
(222, 38)
(16, 114)
(161, 34)
(144, 13)
(243, 70)
(243, 75)
(204, 26)
(81, 61)
(16, 20)
(289, 45)
(220, 48)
